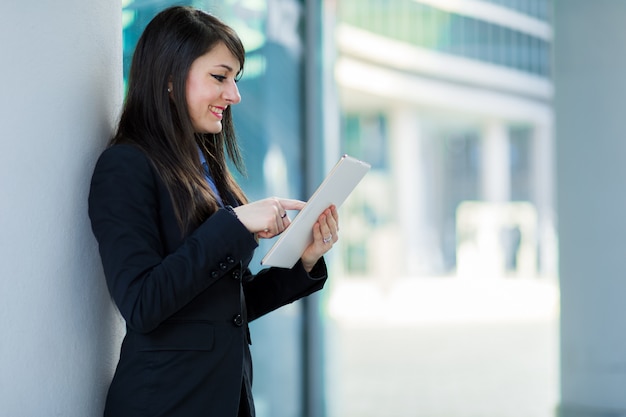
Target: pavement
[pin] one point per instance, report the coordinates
(443, 347)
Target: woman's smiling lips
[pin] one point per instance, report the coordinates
(217, 111)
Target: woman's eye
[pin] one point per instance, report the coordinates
(219, 78)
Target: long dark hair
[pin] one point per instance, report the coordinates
(161, 126)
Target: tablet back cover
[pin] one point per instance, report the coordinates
(335, 188)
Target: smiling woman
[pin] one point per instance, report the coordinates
(177, 233)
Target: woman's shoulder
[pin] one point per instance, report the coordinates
(123, 171)
(124, 163)
(123, 151)
(125, 156)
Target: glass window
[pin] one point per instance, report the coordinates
(539, 9)
(430, 27)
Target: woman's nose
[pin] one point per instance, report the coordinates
(231, 93)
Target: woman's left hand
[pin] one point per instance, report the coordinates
(325, 234)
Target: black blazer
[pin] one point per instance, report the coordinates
(186, 297)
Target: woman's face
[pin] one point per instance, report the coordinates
(211, 88)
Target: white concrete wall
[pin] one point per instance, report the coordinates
(60, 91)
(590, 87)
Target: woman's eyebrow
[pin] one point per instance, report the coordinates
(225, 66)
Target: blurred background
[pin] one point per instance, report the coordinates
(443, 298)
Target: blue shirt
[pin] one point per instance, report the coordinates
(209, 178)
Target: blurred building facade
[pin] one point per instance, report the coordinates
(451, 103)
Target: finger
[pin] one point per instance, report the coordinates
(318, 237)
(317, 232)
(283, 217)
(332, 221)
(286, 220)
(279, 213)
(335, 214)
(265, 234)
(327, 233)
(278, 225)
(289, 204)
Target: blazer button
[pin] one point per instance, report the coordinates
(214, 275)
(222, 266)
(237, 274)
(238, 320)
(230, 260)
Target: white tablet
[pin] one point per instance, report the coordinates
(335, 188)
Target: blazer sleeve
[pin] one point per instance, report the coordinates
(147, 284)
(273, 288)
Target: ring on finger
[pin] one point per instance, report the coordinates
(327, 239)
(284, 215)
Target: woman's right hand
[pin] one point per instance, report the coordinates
(268, 217)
